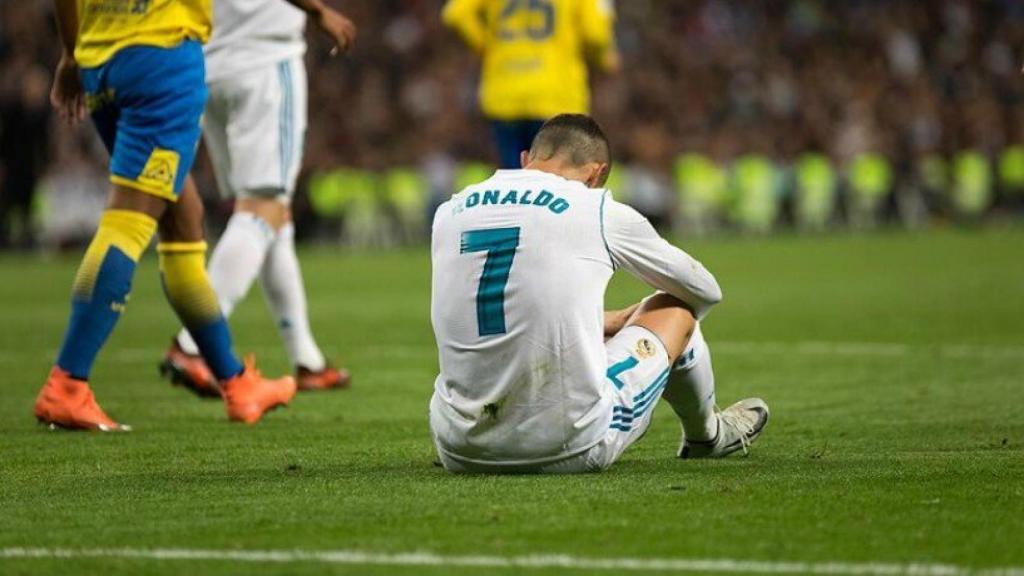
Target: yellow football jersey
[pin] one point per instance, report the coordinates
(106, 26)
(535, 52)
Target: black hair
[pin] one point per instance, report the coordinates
(576, 137)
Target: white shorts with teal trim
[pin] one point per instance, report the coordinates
(638, 371)
(254, 127)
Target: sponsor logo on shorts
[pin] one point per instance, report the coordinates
(645, 348)
(160, 170)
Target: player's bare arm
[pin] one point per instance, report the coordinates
(597, 25)
(464, 17)
(67, 96)
(339, 27)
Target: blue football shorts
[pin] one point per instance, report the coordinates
(147, 104)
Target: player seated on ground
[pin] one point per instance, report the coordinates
(141, 73)
(528, 381)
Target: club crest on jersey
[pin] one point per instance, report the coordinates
(645, 348)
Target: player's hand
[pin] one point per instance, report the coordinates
(612, 63)
(67, 95)
(615, 320)
(336, 25)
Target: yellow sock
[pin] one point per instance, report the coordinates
(183, 269)
(126, 230)
(183, 266)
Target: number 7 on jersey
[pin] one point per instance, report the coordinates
(500, 245)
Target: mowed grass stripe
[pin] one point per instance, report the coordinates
(413, 559)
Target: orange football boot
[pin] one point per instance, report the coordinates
(329, 378)
(249, 395)
(66, 402)
(189, 371)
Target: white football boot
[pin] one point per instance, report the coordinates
(738, 426)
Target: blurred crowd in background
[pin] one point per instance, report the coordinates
(745, 116)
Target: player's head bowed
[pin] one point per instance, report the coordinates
(573, 146)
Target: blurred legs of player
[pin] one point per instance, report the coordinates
(512, 137)
(146, 103)
(245, 113)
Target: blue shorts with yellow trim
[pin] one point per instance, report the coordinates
(147, 103)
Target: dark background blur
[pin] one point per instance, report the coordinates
(728, 116)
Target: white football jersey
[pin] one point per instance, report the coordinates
(248, 34)
(521, 262)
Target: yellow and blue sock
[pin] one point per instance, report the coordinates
(102, 286)
(188, 289)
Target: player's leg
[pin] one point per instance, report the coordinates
(98, 297)
(690, 388)
(234, 265)
(160, 95)
(260, 242)
(235, 260)
(284, 289)
(230, 120)
(660, 353)
(148, 102)
(103, 281)
(182, 250)
(281, 275)
(247, 395)
(638, 368)
(256, 154)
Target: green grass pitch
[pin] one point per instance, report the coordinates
(893, 363)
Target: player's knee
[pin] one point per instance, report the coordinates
(670, 319)
(669, 304)
(127, 198)
(268, 207)
(183, 222)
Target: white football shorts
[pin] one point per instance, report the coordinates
(254, 127)
(637, 373)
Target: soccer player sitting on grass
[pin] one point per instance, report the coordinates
(528, 381)
(138, 67)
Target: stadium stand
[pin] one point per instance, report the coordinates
(749, 116)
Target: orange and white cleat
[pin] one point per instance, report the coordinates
(66, 402)
(249, 395)
(330, 378)
(189, 371)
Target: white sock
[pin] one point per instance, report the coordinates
(282, 284)
(234, 264)
(691, 390)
